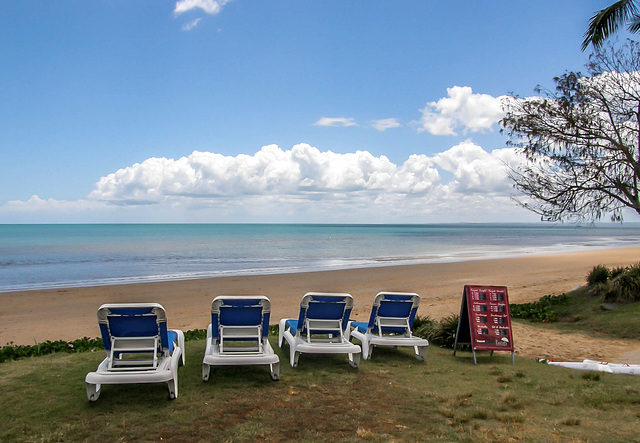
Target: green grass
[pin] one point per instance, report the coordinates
(580, 311)
(392, 397)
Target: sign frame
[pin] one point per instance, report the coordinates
(485, 320)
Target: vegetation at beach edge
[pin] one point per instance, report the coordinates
(608, 306)
(12, 351)
(438, 332)
(615, 285)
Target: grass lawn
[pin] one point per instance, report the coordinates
(392, 397)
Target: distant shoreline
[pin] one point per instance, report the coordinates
(378, 263)
(41, 257)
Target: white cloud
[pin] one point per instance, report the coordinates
(301, 171)
(477, 171)
(35, 203)
(386, 123)
(211, 7)
(302, 184)
(192, 24)
(40, 210)
(333, 122)
(462, 108)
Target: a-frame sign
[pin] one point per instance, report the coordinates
(485, 321)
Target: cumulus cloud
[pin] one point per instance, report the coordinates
(339, 121)
(461, 109)
(477, 171)
(302, 184)
(385, 123)
(301, 171)
(211, 7)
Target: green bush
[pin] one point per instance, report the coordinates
(599, 274)
(195, 334)
(538, 311)
(622, 286)
(441, 333)
(625, 287)
(617, 271)
(12, 351)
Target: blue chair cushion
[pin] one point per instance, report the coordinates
(292, 325)
(241, 315)
(360, 326)
(173, 340)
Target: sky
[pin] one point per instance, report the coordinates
(301, 111)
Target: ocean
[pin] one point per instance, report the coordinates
(57, 256)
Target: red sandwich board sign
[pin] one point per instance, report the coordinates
(485, 321)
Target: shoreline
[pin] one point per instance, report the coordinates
(33, 316)
(75, 256)
(400, 262)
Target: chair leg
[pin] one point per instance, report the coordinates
(205, 372)
(275, 371)
(420, 352)
(370, 351)
(293, 357)
(281, 329)
(354, 360)
(173, 386)
(366, 354)
(93, 391)
(181, 344)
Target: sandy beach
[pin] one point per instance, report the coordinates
(35, 316)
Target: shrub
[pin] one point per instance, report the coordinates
(12, 351)
(624, 288)
(441, 333)
(599, 274)
(538, 311)
(623, 285)
(195, 334)
(423, 326)
(617, 271)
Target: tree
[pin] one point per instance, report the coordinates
(581, 141)
(607, 21)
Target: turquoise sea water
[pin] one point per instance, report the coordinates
(46, 256)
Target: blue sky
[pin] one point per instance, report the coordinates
(270, 111)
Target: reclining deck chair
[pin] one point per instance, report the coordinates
(390, 323)
(139, 348)
(320, 328)
(238, 334)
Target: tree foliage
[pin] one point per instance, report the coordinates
(581, 140)
(607, 21)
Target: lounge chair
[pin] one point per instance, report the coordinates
(320, 327)
(238, 334)
(139, 348)
(390, 323)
